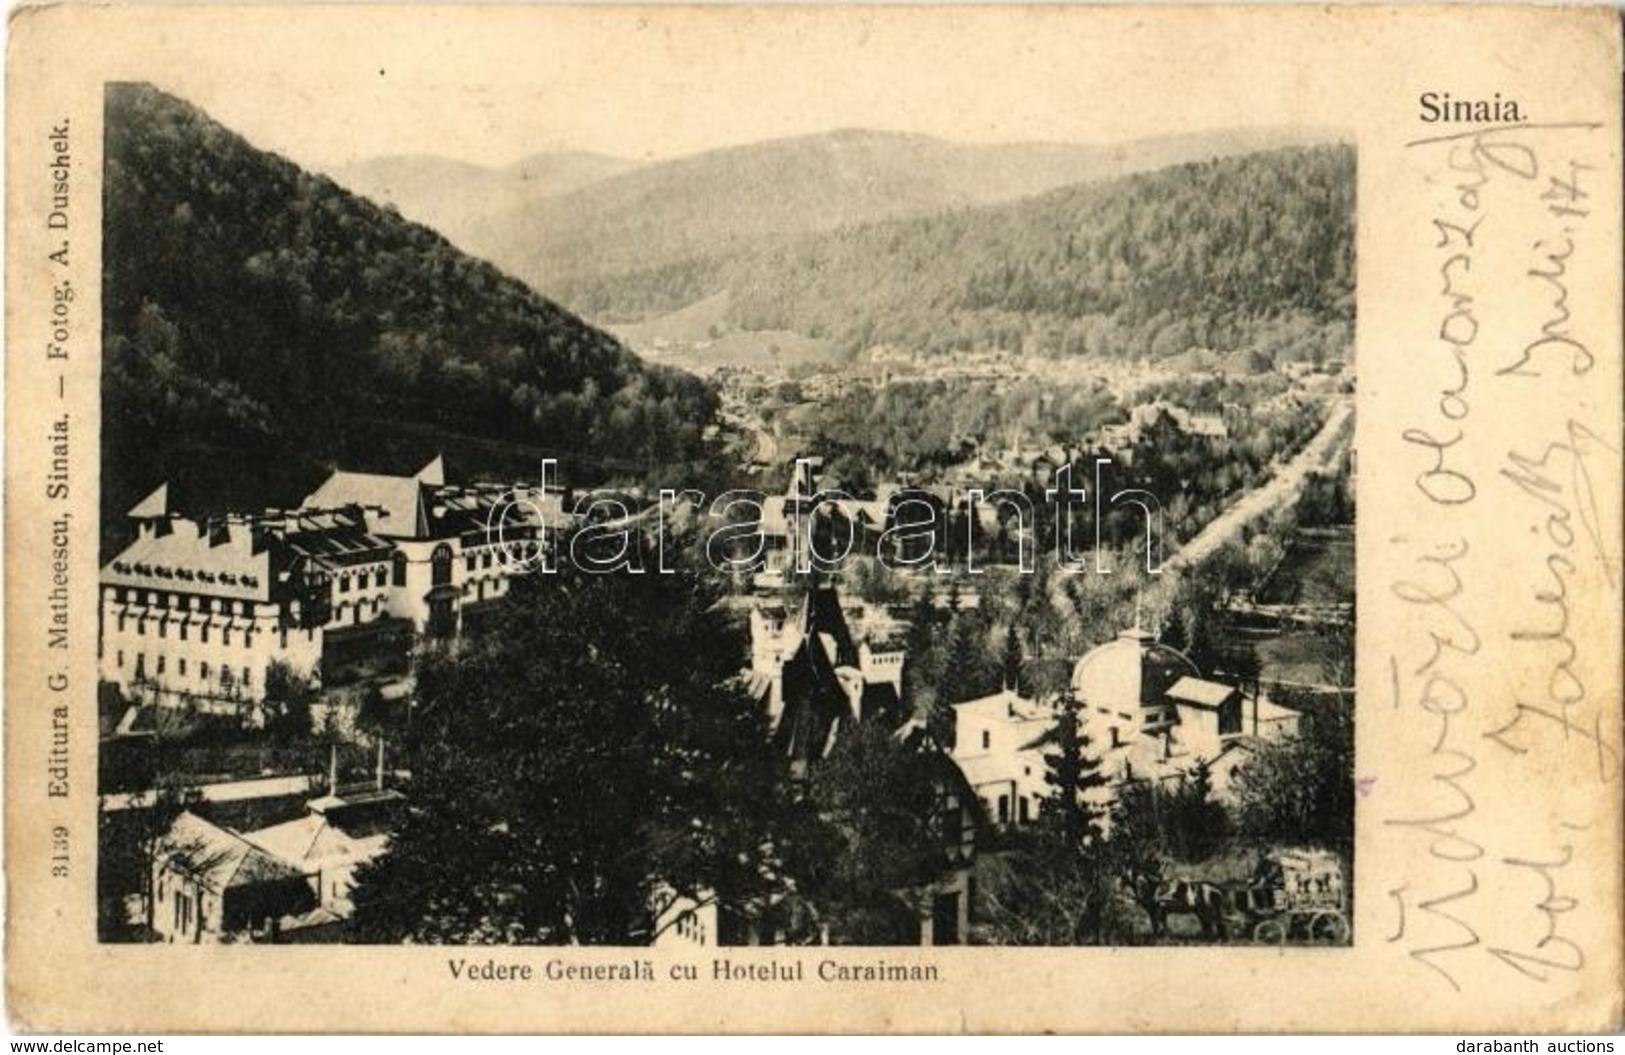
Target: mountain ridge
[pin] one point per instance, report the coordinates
(261, 324)
(437, 191)
(1250, 253)
(663, 211)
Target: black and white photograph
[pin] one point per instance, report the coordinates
(856, 537)
(813, 519)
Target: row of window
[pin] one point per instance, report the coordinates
(439, 566)
(440, 570)
(478, 588)
(185, 913)
(379, 578)
(364, 610)
(183, 631)
(183, 602)
(1025, 809)
(691, 928)
(225, 673)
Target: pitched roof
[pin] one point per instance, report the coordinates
(315, 918)
(223, 560)
(981, 770)
(1201, 693)
(313, 841)
(241, 559)
(822, 619)
(220, 858)
(1016, 707)
(815, 696)
(335, 539)
(393, 504)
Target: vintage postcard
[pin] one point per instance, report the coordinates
(813, 518)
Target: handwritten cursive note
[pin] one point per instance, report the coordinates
(1504, 686)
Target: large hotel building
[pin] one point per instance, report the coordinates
(197, 611)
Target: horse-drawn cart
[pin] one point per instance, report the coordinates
(1303, 898)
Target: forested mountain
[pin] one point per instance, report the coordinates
(717, 201)
(261, 324)
(455, 197)
(1254, 252)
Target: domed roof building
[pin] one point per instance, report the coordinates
(1122, 686)
(1151, 716)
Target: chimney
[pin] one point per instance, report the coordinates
(378, 775)
(332, 769)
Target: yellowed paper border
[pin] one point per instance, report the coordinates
(1488, 869)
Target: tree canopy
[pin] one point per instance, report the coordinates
(589, 752)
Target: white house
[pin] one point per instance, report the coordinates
(1148, 716)
(997, 746)
(210, 884)
(289, 881)
(339, 833)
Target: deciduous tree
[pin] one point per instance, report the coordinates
(590, 751)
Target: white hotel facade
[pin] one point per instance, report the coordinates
(196, 612)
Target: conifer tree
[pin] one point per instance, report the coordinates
(1066, 868)
(923, 646)
(1013, 658)
(966, 672)
(880, 802)
(1071, 773)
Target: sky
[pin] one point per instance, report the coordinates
(330, 85)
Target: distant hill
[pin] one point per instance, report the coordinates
(700, 338)
(660, 213)
(261, 324)
(454, 196)
(1250, 254)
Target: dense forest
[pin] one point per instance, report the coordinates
(1253, 253)
(911, 426)
(261, 325)
(733, 197)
